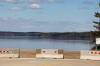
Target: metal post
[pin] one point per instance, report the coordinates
(19, 53)
(96, 47)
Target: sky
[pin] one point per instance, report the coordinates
(48, 15)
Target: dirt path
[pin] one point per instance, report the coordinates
(48, 62)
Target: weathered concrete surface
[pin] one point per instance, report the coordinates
(57, 56)
(48, 62)
(27, 54)
(71, 54)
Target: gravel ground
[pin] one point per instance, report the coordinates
(47, 62)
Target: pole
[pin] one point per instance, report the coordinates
(96, 47)
(19, 53)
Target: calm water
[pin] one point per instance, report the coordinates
(46, 43)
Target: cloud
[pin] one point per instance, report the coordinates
(35, 6)
(9, 1)
(89, 2)
(23, 24)
(56, 1)
(51, 0)
(84, 8)
(45, 1)
(33, 1)
(15, 8)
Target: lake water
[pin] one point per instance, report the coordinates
(46, 43)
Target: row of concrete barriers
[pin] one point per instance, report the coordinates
(40, 53)
(46, 53)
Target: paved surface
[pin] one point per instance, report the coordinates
(48, 62)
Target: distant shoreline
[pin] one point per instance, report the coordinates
(47, 35)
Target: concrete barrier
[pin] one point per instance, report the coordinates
(49, 53)
(54, 56)
(93, 55)
(8, 55)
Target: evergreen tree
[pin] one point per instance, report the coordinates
(97, 23)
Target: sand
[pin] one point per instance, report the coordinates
(47, 62)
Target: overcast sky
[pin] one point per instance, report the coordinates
(47, 15)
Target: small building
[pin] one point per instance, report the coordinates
(49, 53)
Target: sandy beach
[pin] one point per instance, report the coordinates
(47, 62)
